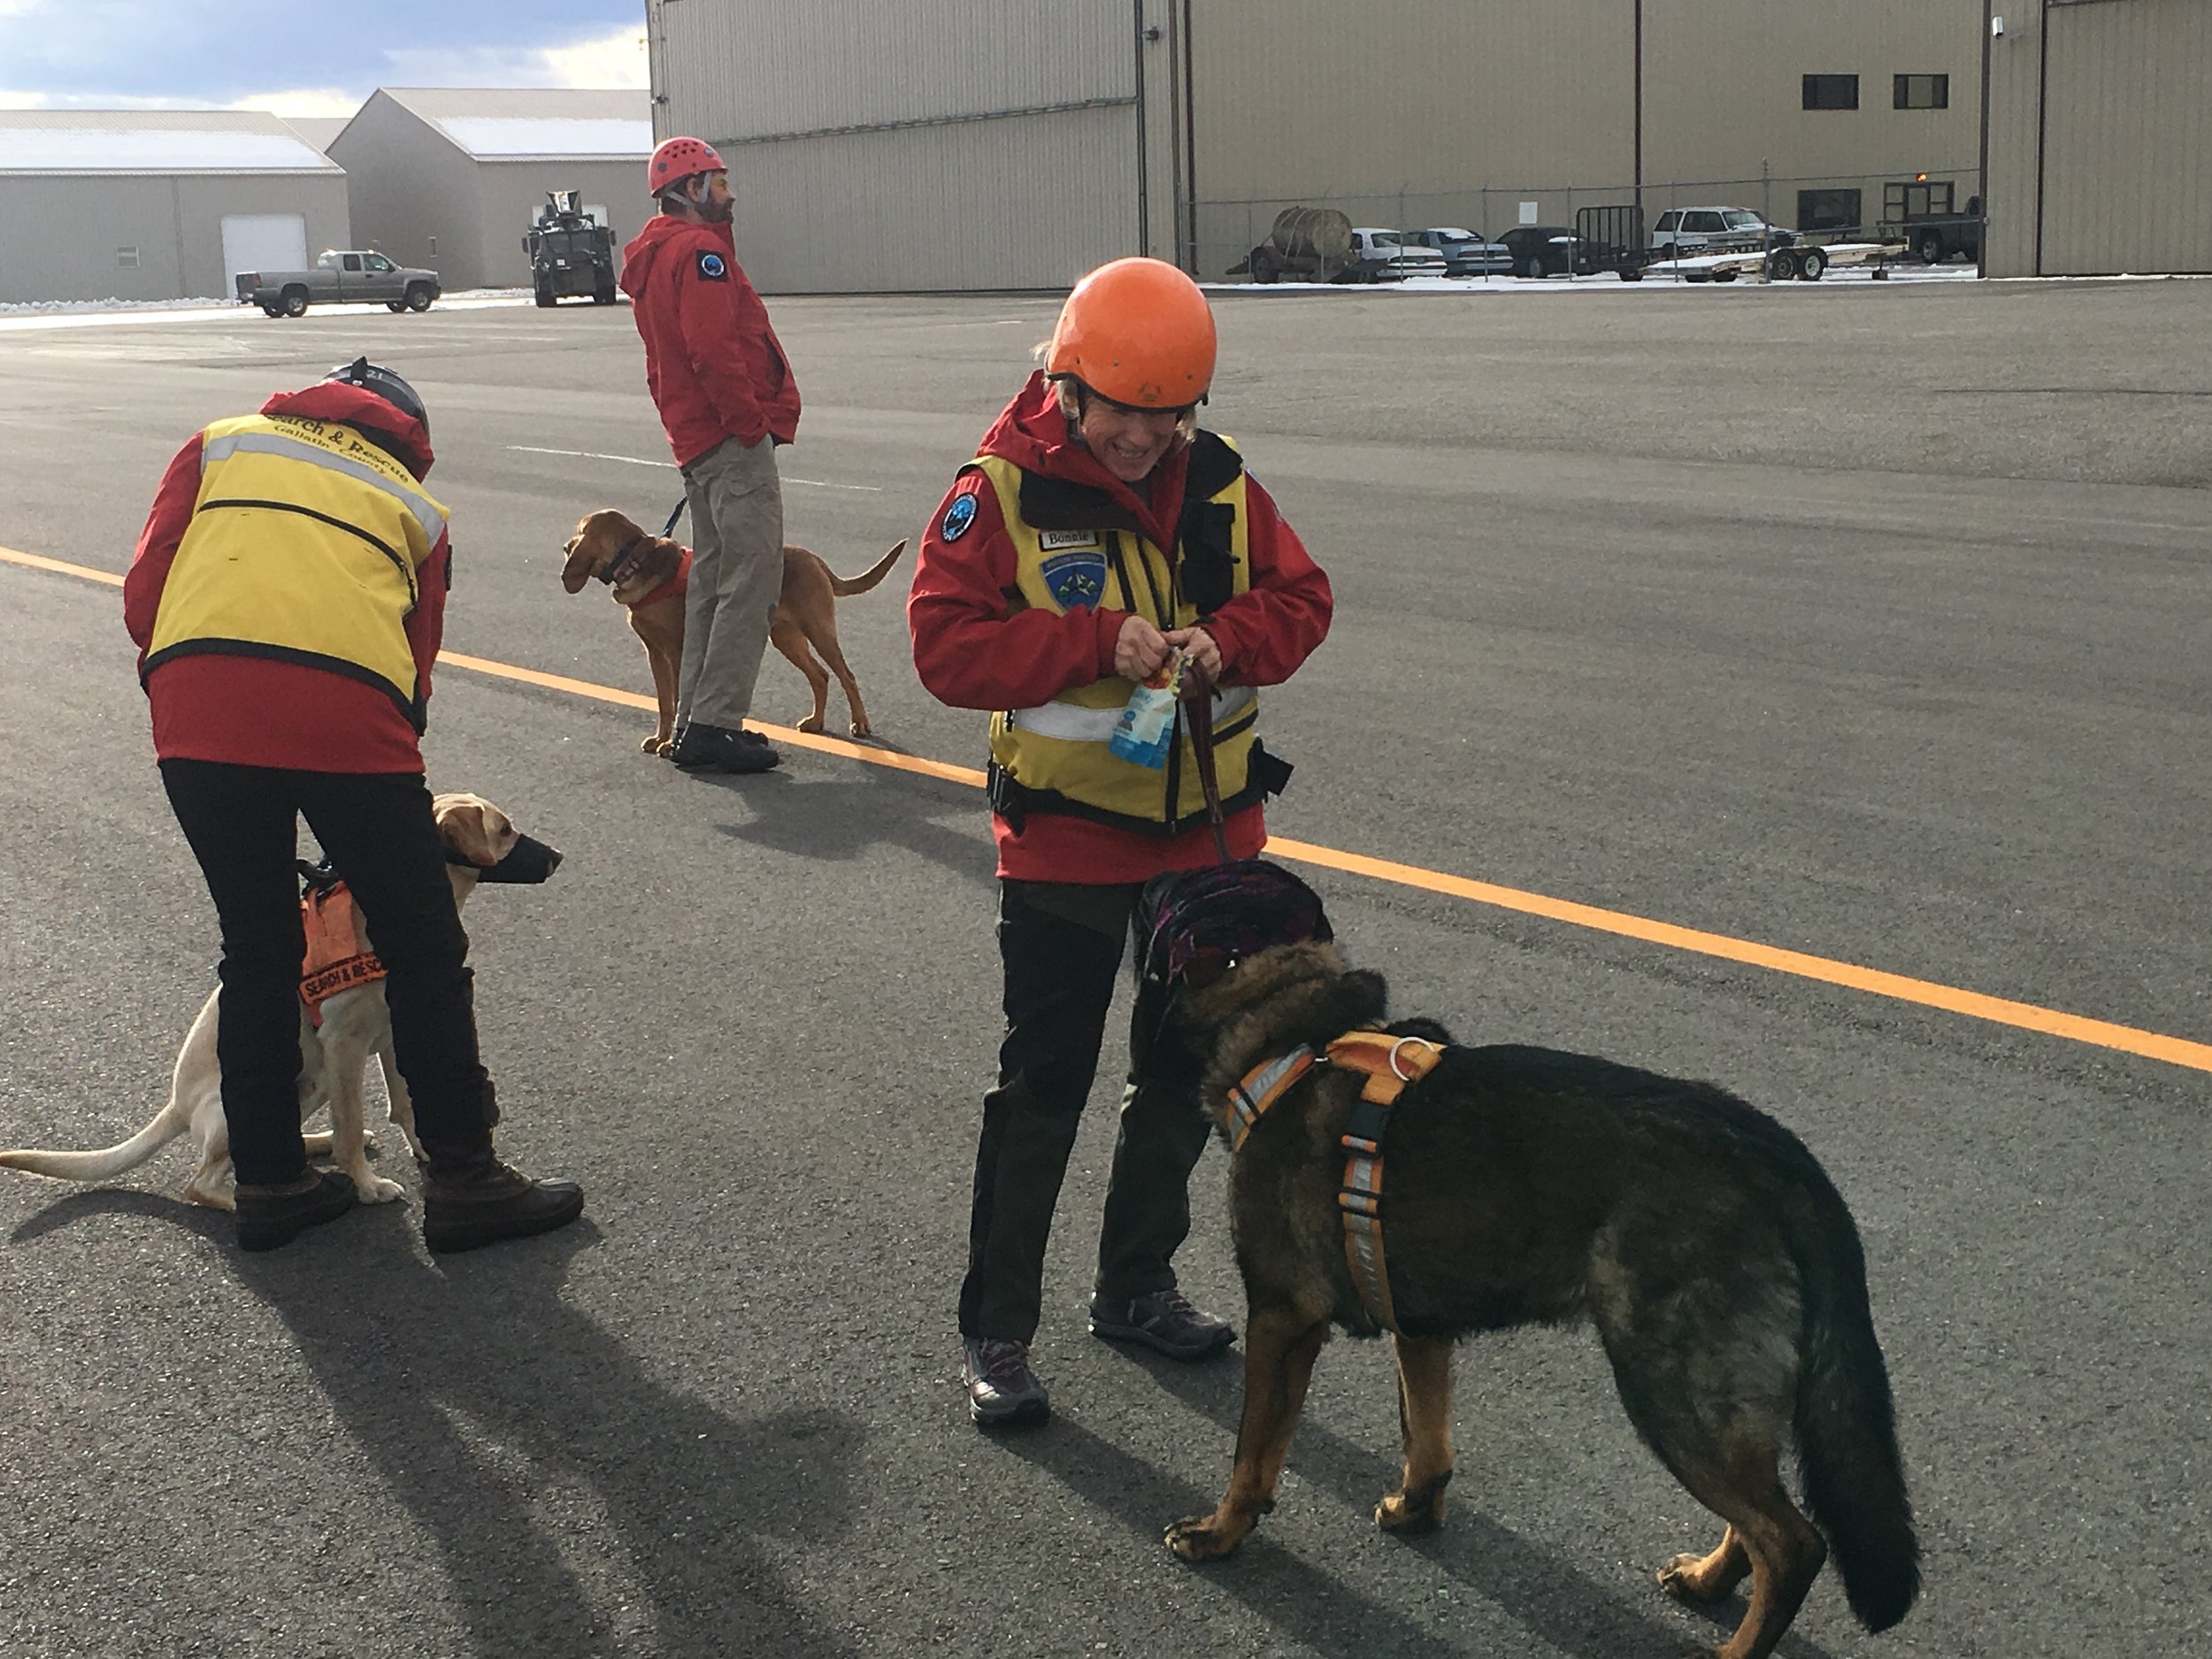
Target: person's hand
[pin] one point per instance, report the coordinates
(1199, 646)
(1140, 651)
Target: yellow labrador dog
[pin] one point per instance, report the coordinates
(355, 1024)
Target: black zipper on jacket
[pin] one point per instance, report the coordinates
(406, 570)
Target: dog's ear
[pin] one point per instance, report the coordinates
(474, 828)
(576, 570)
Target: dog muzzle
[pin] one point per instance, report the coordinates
(530, 862)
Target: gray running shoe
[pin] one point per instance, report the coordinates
(1002, 1388)
(1163, 1320)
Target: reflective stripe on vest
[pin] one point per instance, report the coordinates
(1059, 749)
(305, 544)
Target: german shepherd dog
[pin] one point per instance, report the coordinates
(1525, 1186)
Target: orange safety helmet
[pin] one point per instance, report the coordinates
(1138, 332)
(678, 159)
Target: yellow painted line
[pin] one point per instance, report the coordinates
(1926, 993)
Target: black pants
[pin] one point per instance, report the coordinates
(1060, 970)
(242, 823)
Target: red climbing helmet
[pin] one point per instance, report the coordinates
(678, 159)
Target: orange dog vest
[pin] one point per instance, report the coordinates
(336, 961)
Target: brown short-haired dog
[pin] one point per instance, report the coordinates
(649, 573)
(1525, 1186)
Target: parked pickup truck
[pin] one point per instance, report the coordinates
(350, 275)
(1935, 237)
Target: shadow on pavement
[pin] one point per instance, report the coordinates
(840, 819)
(428, 1366)
(1548, 1596)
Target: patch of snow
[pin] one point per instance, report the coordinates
(17, 316)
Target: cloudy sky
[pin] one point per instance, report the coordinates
(310, 58)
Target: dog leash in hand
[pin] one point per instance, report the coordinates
(1198, 709)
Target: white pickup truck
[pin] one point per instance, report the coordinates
(349, 275)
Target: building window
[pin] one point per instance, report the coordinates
(1922, 92)
(1828, 210)
(1831, 92)
(127, 257)
(1920, 199)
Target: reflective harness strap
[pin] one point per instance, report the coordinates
(1389, 1063)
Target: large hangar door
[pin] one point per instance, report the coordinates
(264, 242)
(2126, 144)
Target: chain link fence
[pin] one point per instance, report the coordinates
(1219, 235)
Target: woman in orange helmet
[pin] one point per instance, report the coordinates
(1099, 536)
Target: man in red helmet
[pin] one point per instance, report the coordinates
(1098, 533)
(726, 395)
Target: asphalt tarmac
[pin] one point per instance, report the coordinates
(1870, 622)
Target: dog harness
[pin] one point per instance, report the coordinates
(1388, 1065)
(334, 961)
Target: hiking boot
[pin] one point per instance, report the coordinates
(1002, 1388)
(470, 1202)
(1162, 1320)
(271, 1216)
(701, 748)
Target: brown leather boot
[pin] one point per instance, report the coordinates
(470, 1199)
(270, 1216)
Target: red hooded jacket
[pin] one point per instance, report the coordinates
(256, 711)
(972, 651)
(712, 363)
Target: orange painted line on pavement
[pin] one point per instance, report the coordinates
(1996, 1009)
(38, 562)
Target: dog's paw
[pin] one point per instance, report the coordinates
(1419, 1511)
(861, 728)
(377, 1190)
(810, 724)
(655, 745)
(1407, 1518)
(1203, 1537)
(1687, 1579)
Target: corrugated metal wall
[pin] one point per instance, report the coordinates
(887, 144)
(2128, 149)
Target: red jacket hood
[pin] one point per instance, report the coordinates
(647, 248)
(1032, 434)
(335, 400)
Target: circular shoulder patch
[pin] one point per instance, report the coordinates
(710, 266)
(958, 516)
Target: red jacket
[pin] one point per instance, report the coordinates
(972, 653)
(713, 365)
(254, 712)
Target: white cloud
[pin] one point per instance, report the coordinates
(614, 60)
(618, 60)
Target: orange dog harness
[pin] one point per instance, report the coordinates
(1389, 1064)
(336, 961)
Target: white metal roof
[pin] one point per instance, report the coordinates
(505, 123)
(153, 142)
(494, 136)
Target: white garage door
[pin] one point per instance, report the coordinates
(264, 242)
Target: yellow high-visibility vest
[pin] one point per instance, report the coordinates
(1056, 754)
(306, 544)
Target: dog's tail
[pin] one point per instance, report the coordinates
(1847, 1428)
(845, 587)
(170, 1122)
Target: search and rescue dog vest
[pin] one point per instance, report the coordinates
(335, 960)
(306, 545)
(1075, 549)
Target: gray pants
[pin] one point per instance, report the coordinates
(736, 574)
